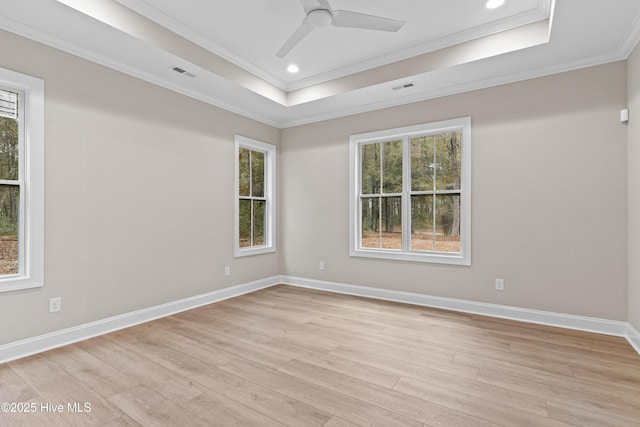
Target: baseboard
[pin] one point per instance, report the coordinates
(30, 346)
(633, 336)
(589, 324)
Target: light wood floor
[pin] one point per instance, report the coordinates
(289, 356)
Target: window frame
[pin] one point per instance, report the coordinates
(31, 180)
(355, 185)
(269, 151)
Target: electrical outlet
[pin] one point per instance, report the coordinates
(321, 265)
(55, 304)
(227, 271)
(499, 284)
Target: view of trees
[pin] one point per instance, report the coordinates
(9, 196)
(251, 179)
(381, 189)
(435, 193)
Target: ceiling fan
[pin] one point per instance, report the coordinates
(320, 14)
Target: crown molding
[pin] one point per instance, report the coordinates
(535, 15)
(631, 40)
(54, 42)
(459, 88)
(541, 12)
(40, 36)
(174, 26)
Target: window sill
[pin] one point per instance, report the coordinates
(427, 257)
(19, 283)
(254, 251)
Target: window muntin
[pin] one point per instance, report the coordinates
(410, 193)
(254, 212)
(21, 181)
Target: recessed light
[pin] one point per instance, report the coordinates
(493, 4)
(293, 68)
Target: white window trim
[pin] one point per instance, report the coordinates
(32, 176)
(464, 257)
(269, 151)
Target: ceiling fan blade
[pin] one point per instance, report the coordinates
(310, 5)
(303, 31)
(345, 18)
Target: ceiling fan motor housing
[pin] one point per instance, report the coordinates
(319, 18)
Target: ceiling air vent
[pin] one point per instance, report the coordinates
(183, 71)
(403, 86)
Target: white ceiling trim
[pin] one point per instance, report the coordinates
(632, 39)
(497, 44)
(123, 19)
(119, 17)
(280, 118)
(52, 41)
(460, 88)
(47, 39)
(539, 14)
(160, 18)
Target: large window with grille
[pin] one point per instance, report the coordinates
(410, 193)
(255, 197)
(21, 181)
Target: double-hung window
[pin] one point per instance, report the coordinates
(21, 181)
(410, 193)
(255, 197)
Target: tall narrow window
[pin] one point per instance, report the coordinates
(21, 181)
(255, 180)
(11, 186)
(410, 193)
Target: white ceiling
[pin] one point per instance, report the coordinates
(445, 47)
(225, 28)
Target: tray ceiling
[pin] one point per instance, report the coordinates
(228, 49)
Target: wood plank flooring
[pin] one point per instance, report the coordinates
(298, 357)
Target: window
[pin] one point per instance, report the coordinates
(410, 193)
(21, 181)
(255, 197)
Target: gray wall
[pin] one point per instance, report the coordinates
(548, 204)
(139, 195)
(633, 144)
